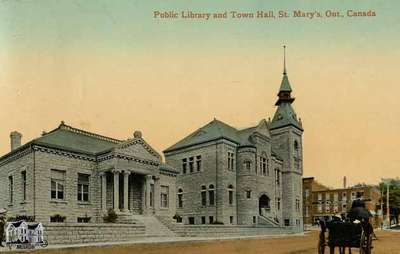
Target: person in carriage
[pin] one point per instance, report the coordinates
(351, 231)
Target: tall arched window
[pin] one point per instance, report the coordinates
(230, 194)
(211, 195)
(180, 198)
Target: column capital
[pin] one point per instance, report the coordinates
(149, 177)
(125, 172)
(114, 170)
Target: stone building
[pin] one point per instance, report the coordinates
(247, 177)
(73, 175)
(321, 201)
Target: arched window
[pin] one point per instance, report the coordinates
(211, 195)
(180, 198)
(203, 195)
(230, 194)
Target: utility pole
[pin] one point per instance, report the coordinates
(387, 204)
(387, 182)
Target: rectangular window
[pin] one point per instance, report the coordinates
(319, 208)
(57, 184)
(198, 162)
(307, 193)
(10, 189)
(263, 165)
(231, 161)
(203, 219)
(83, 187)
(231, 219)
(184, 166)
(230, 197)
(287, 222)
(277, 177)
(191, 220)
(297, 205)
(211, 197)
(191, 164)
(164, 196)
(319, 196)
(203, 198)
(278, 203)
(248, 194)
(211, 219)
(307, 212)
(23, 183)
(254, 220)
(335, 196)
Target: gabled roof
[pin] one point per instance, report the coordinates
(219, 130)
(211, 131)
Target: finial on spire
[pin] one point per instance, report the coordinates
(284, 59)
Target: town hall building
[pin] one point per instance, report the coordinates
(242, 176)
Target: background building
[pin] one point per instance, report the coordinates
(320, 201)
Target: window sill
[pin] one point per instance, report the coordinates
(10, 204)
(164, 208)
(84, 203)
(59, 201)
(23, 203)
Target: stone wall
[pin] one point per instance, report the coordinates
(13, 168)
(74, 233)
(70, 207)
(231, 230)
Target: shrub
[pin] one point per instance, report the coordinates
(57, 218)
(111, 216)
(22, 217)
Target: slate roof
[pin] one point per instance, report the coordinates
(285, 116)
(211, 131)
(69, 138)
(285, 85)
(215, 130)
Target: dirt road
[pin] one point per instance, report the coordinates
(387, 243)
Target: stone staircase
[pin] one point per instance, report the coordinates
(126, 218)
(154, 227)
(267, 221)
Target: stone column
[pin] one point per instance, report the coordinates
(126, 191)
(116, 190)
(147, 193)
(157, 194)
(103, 191)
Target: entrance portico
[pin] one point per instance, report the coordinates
(126, 191)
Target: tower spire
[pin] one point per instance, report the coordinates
(284, 59)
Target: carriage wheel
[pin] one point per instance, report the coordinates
(321, 243)
(368, 246)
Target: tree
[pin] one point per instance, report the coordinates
(394, 198)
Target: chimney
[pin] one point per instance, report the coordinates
(15, 139)
(344, 182)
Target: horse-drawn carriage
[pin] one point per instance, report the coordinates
(345, 234)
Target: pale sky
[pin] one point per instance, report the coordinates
(109, 67)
